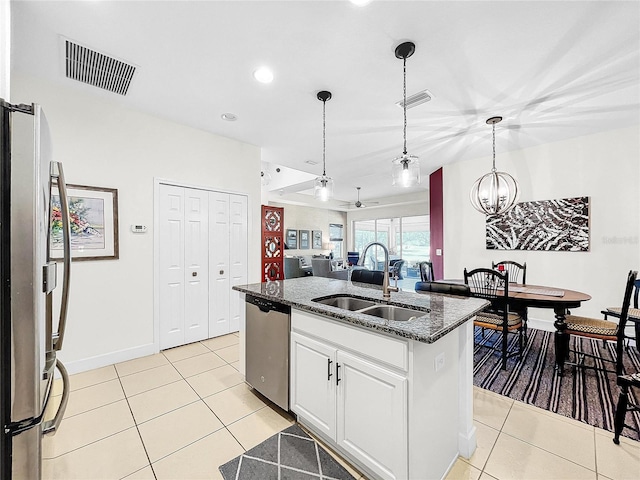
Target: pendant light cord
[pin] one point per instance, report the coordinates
(494, 148)
(404, 103)
(324, 135)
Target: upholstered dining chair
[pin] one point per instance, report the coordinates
(517, 274)
(494, 287)
(602, 330)
(364, 275)
(442, 287)
(426, 271)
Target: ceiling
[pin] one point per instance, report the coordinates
(553, 70)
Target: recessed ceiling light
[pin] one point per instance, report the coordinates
(263, 75)
(311, 162)
(360, 3)
(229, 117)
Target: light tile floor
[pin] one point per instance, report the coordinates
(182, 413)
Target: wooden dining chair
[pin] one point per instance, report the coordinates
(493, 286)
(600, 329)
(517, 274)
(515, 270)
(633, 315)
(426, 271)
(625, 405)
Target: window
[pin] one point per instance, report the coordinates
(336, 239)
(405, 237)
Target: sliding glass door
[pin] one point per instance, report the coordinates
(407, 238)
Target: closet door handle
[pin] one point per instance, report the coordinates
(337, 373)
(329, 374)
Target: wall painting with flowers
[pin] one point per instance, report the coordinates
(93, 213)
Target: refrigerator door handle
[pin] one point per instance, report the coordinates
(50, 426)
(57, 173)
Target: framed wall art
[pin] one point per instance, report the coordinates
(292, 239)
(316, 236)
(304, 239)
(93, 212)
(553, 225)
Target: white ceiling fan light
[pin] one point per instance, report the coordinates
(358, 203)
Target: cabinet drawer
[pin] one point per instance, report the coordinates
(378, 346)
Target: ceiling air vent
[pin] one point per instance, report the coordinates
(94, 68)
(417, 99)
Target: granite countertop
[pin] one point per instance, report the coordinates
(442, 313)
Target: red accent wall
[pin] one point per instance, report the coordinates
(436, 220)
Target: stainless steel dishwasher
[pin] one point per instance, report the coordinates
(267, 349)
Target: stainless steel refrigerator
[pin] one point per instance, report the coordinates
(30, 336)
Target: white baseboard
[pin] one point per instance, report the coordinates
(467, 444)
(78, 366)
(546, 325)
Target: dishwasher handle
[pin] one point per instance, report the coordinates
(268, 305)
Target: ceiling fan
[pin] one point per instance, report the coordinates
(358, 203)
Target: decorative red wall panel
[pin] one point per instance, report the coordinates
(272, 243)
(436, 216)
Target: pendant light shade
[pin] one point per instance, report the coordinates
(405, 169)
(496, 192)
(323, 188)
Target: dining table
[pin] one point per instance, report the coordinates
(521, 296)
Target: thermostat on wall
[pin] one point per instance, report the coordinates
(138, 228)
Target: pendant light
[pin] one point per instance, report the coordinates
(323, 189)
(405, 168)
(496, 192)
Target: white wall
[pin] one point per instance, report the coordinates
(5, 49)
(604, 167)
(111, 309)
(298, 217)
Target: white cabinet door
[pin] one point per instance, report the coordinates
(313, 383)
(219, 264)
(184, 259)
(238, 247)
(196, 256)
(372, 415)
(171, 266)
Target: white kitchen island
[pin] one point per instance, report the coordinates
(393, 397)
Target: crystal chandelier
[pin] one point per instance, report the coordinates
(323, 188)
(496, 192)
(405, 168)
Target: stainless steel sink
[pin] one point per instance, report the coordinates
(391, 312)
(346, 302)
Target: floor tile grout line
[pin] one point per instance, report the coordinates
(144, 446)
(87, 444)
(548, 451)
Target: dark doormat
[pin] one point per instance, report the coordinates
(589, 396)
(288, 455)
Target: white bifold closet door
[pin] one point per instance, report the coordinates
(228, 260)
(184, 265)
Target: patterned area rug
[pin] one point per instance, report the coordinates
(586, 395)
(288, 455)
